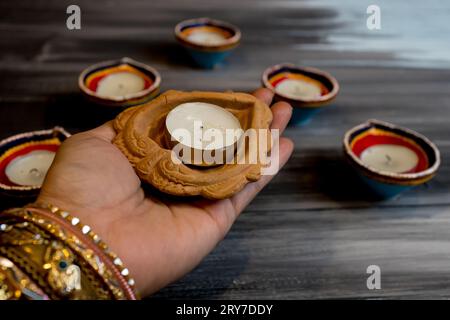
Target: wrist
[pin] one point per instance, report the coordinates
(88, 246)
(107, 224)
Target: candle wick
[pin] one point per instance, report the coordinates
(388, 158)
(35, 172)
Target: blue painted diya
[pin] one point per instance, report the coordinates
(207, 41)
(25, 159)
(390, 159)
(120, 83)
(308, 90)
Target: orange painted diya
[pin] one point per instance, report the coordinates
(207, 41)
(25, 159)
(389, 158)
(306, 89)
(122, 83)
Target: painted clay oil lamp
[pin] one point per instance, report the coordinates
(142, 136)
(25, 159)
(308, 90)
(207, 41)
(120, 83)
(390, 159)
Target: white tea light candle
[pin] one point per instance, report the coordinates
(298, 89)
(30, 169)
(206, 38)
(193, 124)
(390, 158)
(120, 84)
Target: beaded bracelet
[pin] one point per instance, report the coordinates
(50, 250)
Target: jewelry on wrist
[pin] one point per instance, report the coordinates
(64, 257)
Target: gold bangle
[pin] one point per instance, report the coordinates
(45, 243)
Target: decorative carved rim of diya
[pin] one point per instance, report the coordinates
(22, 144)
(90, 77)
(375, 132)
(229, 31)
(141, 137)
(274, 75)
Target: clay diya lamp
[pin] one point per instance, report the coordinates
(120, 83)
(207, 41)
(25, 159)
(145, 135)
(308, 90)
(389, 158)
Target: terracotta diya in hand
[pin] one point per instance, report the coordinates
(389, 158)
(146, 133)
(120, 83)
(308, 90)
(25, 159)
(207, 41)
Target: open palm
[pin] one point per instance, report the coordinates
(159, 238)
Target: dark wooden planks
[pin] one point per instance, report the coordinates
(324, 254)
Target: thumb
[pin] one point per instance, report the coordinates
(105, 131)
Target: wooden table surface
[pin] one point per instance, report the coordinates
(314, 230)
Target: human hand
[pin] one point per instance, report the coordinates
(158, 239)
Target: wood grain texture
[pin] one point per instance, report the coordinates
(314, 230)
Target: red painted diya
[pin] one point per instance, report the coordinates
(25, 159)
(123, 82)
(306, 89)
(391, 158)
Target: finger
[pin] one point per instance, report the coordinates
(243, 198)
(105, 131)
(282, 112)
(265, 95)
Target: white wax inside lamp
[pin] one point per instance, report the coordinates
(203, 126)
(120, 84)
(389, 157)
(208, 38)
(30, 169)
(298, 89)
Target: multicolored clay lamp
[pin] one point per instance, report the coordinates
(208, 41)
(306, 89)
(120, 83)
(25, 159)
(390, 159)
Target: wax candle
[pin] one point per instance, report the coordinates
(299, 89)
(390, 157)
(120, 84)
(203, 126)
(30, 169)
(206, 38)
